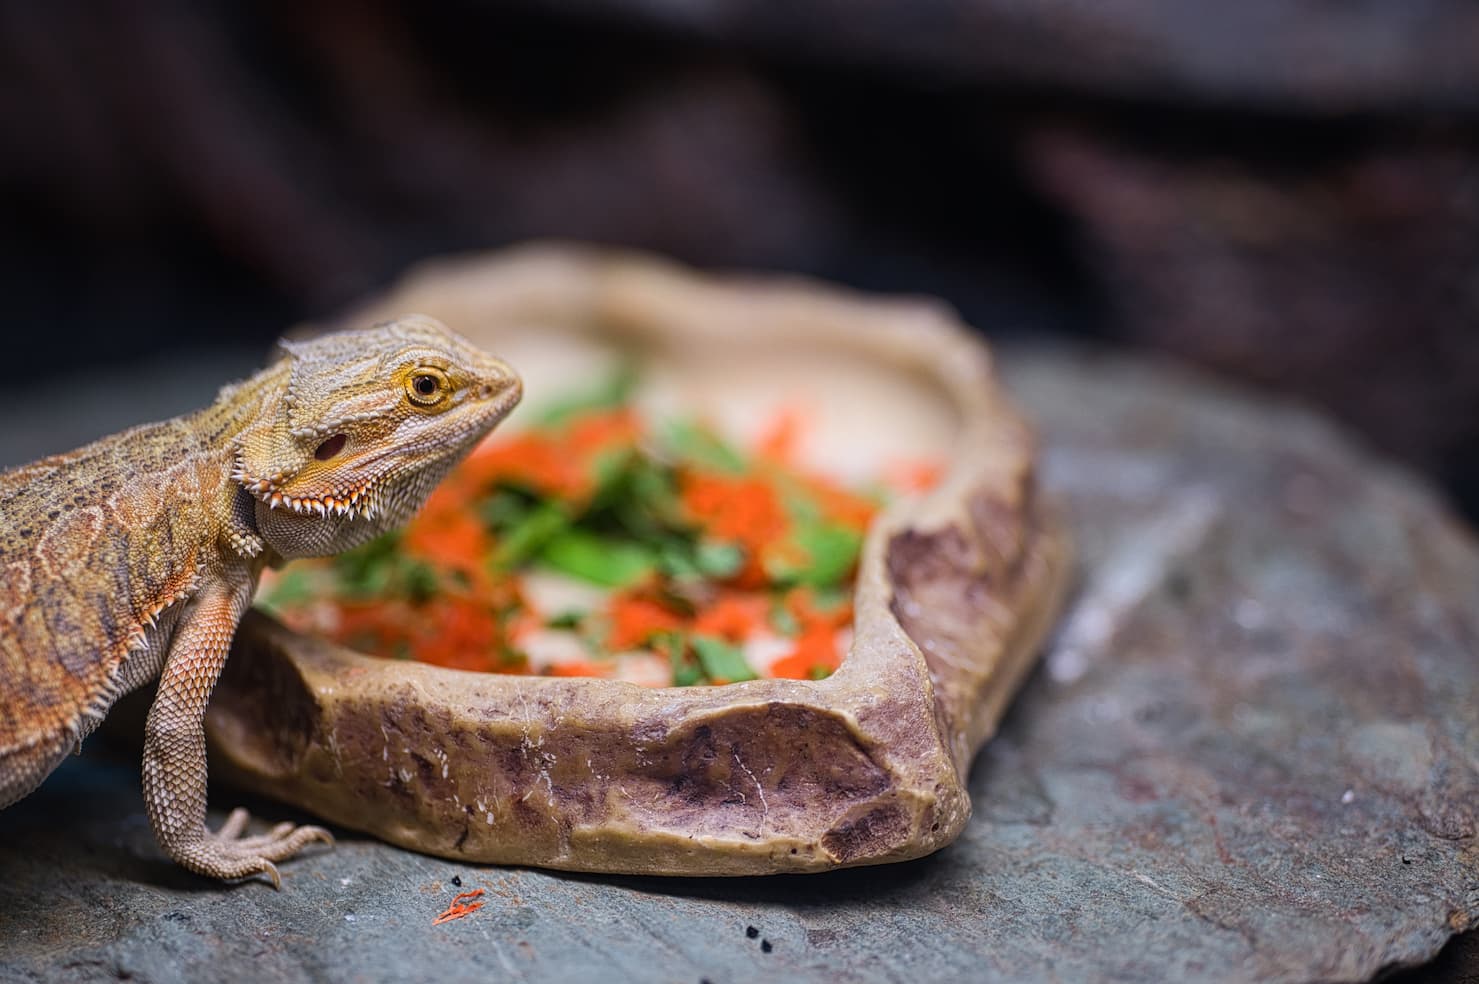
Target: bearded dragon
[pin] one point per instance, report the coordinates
(133, 558)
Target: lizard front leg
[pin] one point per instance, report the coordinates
(174, 747)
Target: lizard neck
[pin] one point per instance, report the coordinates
(230, 510)
(241, 405)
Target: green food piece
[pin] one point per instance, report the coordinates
(530, 535)
(505, 508)
(291, 588)
(718, 560)
(606, 561)
(675, 558)
(687, 675)
(645, 502)
(685, 672)
(610, 475)
(419, 581)
(635, 496)
(612, 393)
(831, 552)
(683, 558)
(799, 502)
(830, 598)
(720, 660)
(370, 569)
(696, 444)
(565, 620)
(781, 618)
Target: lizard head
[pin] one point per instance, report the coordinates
(368, 422)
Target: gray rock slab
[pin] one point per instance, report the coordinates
(1251, 752)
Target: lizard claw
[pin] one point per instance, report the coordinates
(225, 854)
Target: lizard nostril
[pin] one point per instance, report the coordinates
(331, 447)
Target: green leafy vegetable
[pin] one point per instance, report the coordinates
(720, 660)
(368, 570)
(609, 562)
(831, 553)
(565, 620)
(718, 560)
(685, 672)
(529, 535)
(699, 445)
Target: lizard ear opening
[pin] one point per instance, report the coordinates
(331, 447)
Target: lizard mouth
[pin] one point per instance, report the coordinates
(356, 502)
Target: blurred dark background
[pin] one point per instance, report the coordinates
(1286, 191)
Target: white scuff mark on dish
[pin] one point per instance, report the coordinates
(759, 790)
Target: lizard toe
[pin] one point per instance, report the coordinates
(227, 855)
(235, 823)
(284, 841)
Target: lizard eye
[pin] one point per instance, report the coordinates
(426, 387)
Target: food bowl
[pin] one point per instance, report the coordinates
(955, 591)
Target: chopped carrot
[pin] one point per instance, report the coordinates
(458, 634)
(841, 506)
(449, 538)
(733, 617)
(460, 907)
(532, 459)
(816, 649)
(594, 433)
(801, 603)
(743, 509)
(581, 668)
(780, 437)
(635, 620)
(740, 509)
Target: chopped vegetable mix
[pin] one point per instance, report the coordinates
(593, 544)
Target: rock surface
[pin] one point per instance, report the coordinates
(1252, 751)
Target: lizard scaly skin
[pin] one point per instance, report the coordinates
(133, 558)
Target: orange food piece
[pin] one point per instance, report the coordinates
(461, 906)
(816, 648)
(534, 460)
(780, 437)
(741, 509)
(635, 620)
(594, 433)
(841, 506)
(801, 603)
(458, 633)
(450, 537)
(734, 617)
(557, 463)
(581, 668)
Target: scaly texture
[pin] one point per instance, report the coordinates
(134, 557)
